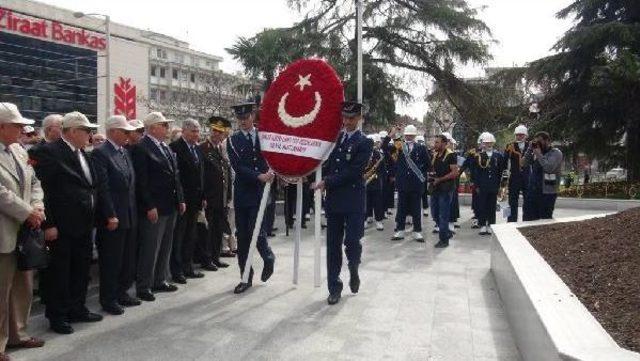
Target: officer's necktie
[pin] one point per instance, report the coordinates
(250, 138)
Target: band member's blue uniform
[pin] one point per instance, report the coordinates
(345, 200)
(243, 148)
(488, 174)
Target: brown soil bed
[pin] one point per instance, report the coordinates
(599, 260)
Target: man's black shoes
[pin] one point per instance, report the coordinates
(442, 244)
(180, 279)
(85, 317)
(165, 287)
(61, 327)
(113, 309)
(333, 298)
(128, 301)
(267, 271)
(146, 296)
(241, 287)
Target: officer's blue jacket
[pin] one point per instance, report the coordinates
(248, 164)
(344, 172)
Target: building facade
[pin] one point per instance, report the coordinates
(52, 61)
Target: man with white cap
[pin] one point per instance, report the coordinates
(116, 236)
(20, 203)
(413, 163)
(73, 191)
(160, 200)
(136, 134)
(517, 172)
(489, 166)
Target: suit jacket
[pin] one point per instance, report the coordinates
(70, 198)
(16, 200)
(190, 170)
(217, 176)
(115, 171)
(488, 171)
(248, 164)
(406, 179)
(344, 171)
(157, 178)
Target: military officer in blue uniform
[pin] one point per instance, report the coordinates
(345, 200)
(252, 172)
(413, 162)
(518, 173)
(489, 166)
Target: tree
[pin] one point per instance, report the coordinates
(592, 85)
(425, 37)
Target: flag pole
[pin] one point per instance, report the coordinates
(317, 214)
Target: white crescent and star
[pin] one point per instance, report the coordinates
(295, 122)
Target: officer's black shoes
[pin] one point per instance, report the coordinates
(241, 287)
(267, 271)
(442, 244)
(211, 266)
(128, 301)
(333, 298)
(61, 327)
(354, 281)
(165, 287)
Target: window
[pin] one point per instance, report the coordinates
(162, 72)
(162, 95)
(153, 94)
(161, 53)
(179, 58)
(174, 73)
(196, 62)
(153, 70)
(193, 78)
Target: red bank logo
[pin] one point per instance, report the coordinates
(125, 98)
(53, 30)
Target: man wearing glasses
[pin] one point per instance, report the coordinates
(72, 191)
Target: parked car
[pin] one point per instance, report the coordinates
(617, 174)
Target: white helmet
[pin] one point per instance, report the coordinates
(481, 137)
(488, 138)
(370, 136)
(420, 138)
(383, 134)
(410, 130)
(521, 129)
(375, 137)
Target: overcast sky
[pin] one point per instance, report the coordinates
(525, 29)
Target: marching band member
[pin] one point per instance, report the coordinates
(251, 174)
(455, 201)
(374, 179)
(443, 172)
(345, 200)
(489, 166)
(412, 166)
(516, 171)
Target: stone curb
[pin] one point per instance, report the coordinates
(547, 320)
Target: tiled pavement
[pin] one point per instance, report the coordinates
(415, 303)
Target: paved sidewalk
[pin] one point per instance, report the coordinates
(415, 303)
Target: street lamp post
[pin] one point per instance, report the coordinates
(107, 59)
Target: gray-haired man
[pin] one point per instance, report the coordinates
(189, 158)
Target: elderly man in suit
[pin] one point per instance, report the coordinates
(72, 191)
(20, 202)
(160, 200)
(116, 217)
(189, 159)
